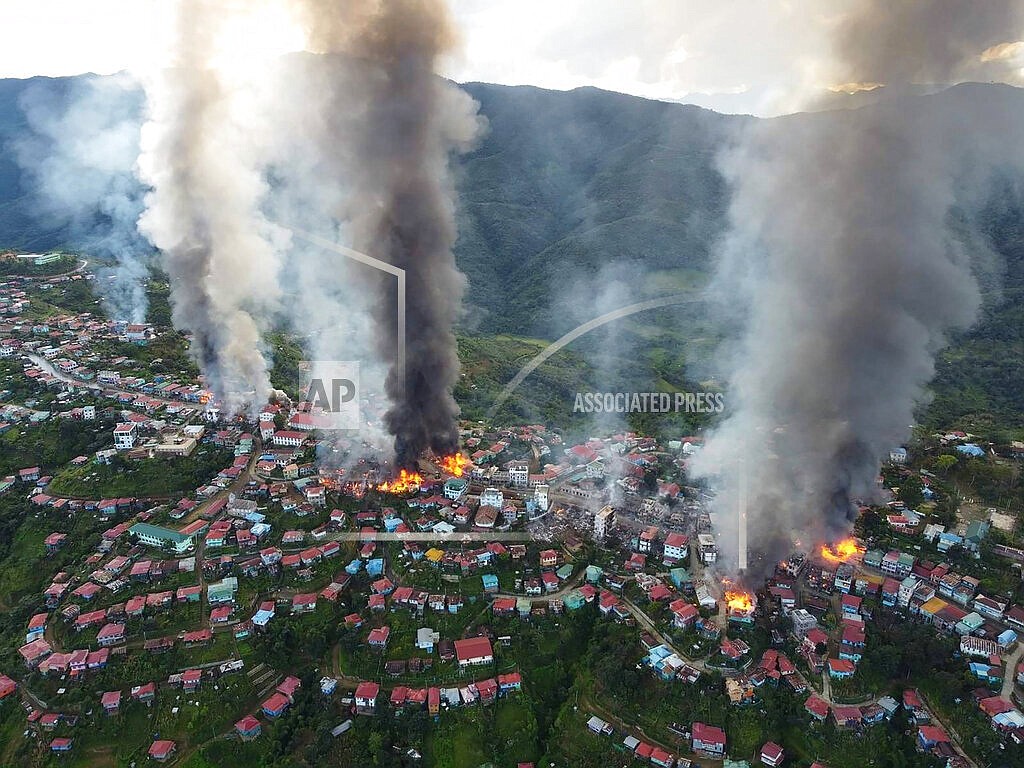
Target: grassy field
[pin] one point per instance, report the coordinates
(145, 477)
(49, 444)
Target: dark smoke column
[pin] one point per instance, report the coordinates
(405, 122)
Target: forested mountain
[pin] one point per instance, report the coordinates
(577, 202)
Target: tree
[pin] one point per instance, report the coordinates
(911, 491)
(376, 745)
(944, 462)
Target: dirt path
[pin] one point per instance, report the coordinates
(1010, 676)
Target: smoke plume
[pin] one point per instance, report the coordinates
(405, 123)
(203, 212)
(77, 159)
(850, 277)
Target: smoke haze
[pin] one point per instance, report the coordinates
(841, 255)
(78, 161)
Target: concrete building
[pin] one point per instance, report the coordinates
(707, 547)
(604, 521)
(907, 588)
(519, 474)
(803, 622)
(125, 436)
(677, 547)
(455, 487)
(540, 497)
(158, 536)
(492, 497)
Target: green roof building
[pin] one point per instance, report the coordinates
(873, 558)
(574, 600)
(222, 591)
(975, 534)
(158, 536)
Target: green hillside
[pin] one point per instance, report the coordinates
(575, 203)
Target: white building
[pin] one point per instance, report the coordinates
(289, 438)
(426, 638)
(898, 455)
(803, 622)
(907, 588)
(677, 546)
(158, 536)
(707, 547)
(89, 412)
(604, 520)
(492, 497)
(519, 474)
(125, 436)
(455, 487)
(540, 496)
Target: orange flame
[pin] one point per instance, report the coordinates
(841, 551)
(454, 465)
(406, 482)
(739, 602)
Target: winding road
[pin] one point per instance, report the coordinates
(46, 366)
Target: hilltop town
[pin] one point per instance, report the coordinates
(181, 588)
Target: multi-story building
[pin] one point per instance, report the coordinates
(677, 547)
(492, 497)
(707, 547)
(803, 622)
(455, 487)
(125, 436)
(519, 474)
(906, 591)
(540, 497)
(157, 536)
(604, 520)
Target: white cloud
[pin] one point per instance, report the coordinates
(758, 56)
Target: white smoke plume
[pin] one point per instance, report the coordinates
(77, 160)
(202, 161)
(849, 276)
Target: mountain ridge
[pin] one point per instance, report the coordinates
(574, 202)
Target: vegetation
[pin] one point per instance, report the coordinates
(50, 444)
(159, 476)
(11, 266)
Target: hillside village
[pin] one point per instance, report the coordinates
(279, 584)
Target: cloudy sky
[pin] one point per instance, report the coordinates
(758, 56)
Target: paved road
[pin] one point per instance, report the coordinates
(94, 386)
(82, 264)
(565, 589)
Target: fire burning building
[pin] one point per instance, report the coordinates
(406, 482)
(844, 551)
(740, 606)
